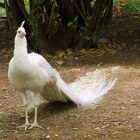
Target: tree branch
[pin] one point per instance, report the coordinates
(8, 17)
(79, 11)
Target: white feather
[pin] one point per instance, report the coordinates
(88, 89)
(38, 82)
(31, 72)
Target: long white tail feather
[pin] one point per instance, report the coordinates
(87, 89)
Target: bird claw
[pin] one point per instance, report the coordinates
(35, 125)
(25, 126)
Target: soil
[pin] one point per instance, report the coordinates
(115, 117)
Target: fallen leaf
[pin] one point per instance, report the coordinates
(60, 53)
(76, 58)
(116, 132)
(83, 51)
(69, 52)
(104, 126)
(59, 62)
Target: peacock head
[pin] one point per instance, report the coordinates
(21, 31)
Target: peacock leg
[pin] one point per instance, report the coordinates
(27, 124)
(35, 123)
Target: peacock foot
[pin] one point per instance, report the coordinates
(25, 126)
(35, 124)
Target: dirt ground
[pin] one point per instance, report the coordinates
(115, 117)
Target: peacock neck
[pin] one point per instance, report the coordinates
(20, 50)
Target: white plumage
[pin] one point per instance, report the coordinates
(38, 82)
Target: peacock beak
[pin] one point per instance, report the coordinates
(24, 33)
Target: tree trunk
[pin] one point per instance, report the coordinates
(47, 20)
(109, 5)
(17, 15)
(97, 21)
(66, 11)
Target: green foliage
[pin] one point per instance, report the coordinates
(73, 24)
(34, 17)
(128, 6)
(33, 25)
(27, 5)
(83, 28)
(2, 10)
(132, 6)
(103, 40)
(116, 2)
(86, 28)
(46, 14)
(98, 66)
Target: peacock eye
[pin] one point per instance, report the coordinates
(19, 31)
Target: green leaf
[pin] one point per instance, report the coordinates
(87, 37)
(103, 40)
(89, 18)
(84, 28)
(70, 23)
(87, 24)
(76, 18)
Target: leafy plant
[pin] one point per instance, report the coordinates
(116, 2)
(86, 28)
(2, 10)
(33, 25)
(103, 40)
(98, 66)
(73, 24)
(45, 19)
(131, 6)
